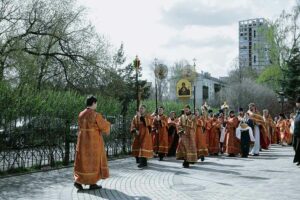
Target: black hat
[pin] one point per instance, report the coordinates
(298, 99)
(282, 115)
(241, 110)
(232, 111)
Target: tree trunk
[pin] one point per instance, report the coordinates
(1, 71)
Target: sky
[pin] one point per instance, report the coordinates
(171, 30)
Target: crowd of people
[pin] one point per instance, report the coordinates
(190, 137)
(193, 136)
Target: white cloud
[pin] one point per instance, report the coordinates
(174, 29)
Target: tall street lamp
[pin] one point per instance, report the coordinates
(136, 65)
(282, 99)
(194, 102)
(155, 63)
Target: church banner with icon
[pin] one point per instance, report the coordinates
(183, 88)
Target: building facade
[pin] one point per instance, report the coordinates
(253, 44)
(207, 88)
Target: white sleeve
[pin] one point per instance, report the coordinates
(238, 133)
(251, 134)
(292, 128)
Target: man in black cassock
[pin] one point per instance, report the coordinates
(297, 133)
(245, 134)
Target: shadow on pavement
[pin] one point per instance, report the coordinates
(163, 168)
(214, 170)
(33, 185)
(261, 157)
(112, 194)
(233, 158)
(274, 171)
(255, 177)
(218, 164)
(274, 156)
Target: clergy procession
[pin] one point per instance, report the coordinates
(190, 136)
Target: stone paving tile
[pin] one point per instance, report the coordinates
(270, 176)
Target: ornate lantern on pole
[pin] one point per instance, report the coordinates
(136, 65)
(282, 99)
(161, 72)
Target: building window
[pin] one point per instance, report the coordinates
(217, 88)
(205, 93)
(254, 59)
(254, 33)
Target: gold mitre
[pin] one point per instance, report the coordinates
(243, 125)
(224, 106)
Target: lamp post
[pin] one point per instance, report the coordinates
(194, 102)
(155, 63)
(282, 99)
(161, 72)
(137, 64)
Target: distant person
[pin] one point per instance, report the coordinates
(160, 130)
(142, 147)
(214, 135)
(232, 144)
(256, 119)
(292, 126)
(282, 127)
(201, 145)
(186, 149)
(297, 133)
(172, 133)
(245, 134)
(90, 159)
(183, 90)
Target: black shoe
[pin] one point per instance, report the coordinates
(256, 154)
(137, 159)
(141, 165)
(202, 158)
(78, 186)
(143, 162)
(161, 157)
(298, 163)
(186, 164)
(95, 187)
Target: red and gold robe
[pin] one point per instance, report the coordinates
(142, 143)
(160, 140)
(270, 128)
(201, 138)
(282, 126)
(214, 137)
(208, 126)
(90, 160)
(289, 136)
(186, 149)
(232, 144)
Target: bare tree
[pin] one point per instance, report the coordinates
(250, 91)
(57, 48)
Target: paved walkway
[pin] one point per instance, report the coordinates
(270, 176)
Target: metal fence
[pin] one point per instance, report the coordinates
(43, 142)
